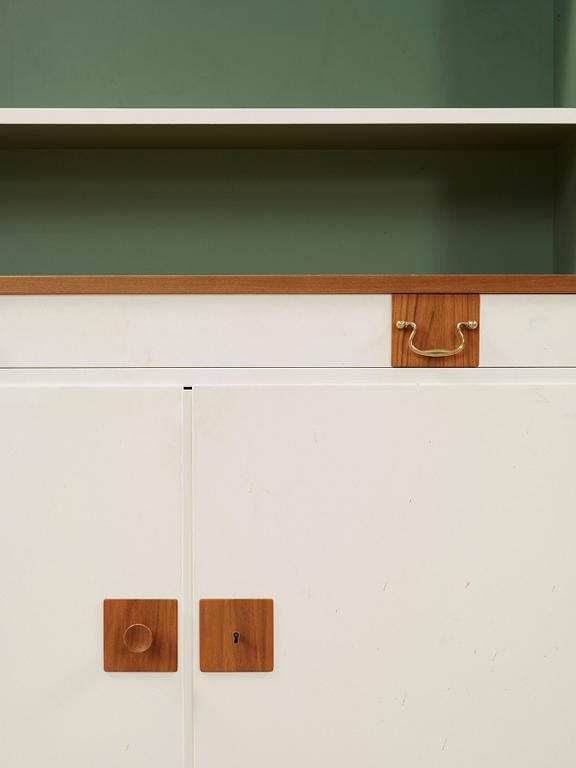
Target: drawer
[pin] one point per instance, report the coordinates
(523, 330)
(528, 330)
(149, 331)
(284, 331)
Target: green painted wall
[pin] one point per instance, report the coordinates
(184, 211)
(565, 210)
(276, 211)
(218, 53)
(565, 53)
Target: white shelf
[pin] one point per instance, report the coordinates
(261, 117)
(296, 128)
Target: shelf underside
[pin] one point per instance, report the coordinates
(284, 136)
(298, 129)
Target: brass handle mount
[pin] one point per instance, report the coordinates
(138, 638)
(470, 325)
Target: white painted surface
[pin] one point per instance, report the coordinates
(528, 330)
(91, 490)
(328, 116)
(418, 542)
(194, 330)
(190, 377)
(306, 494)
(260, 331)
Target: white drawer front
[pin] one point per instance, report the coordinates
(266, 331)
(194, 330)
(528, 331)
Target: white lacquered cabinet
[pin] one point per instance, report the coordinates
(414, 528)
(91, 507)
(418, 543)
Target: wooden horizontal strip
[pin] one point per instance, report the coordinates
(283, 284)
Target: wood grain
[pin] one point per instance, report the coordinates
(253, 620)
(138, 638)
(283, 284)
(160, 616)
(436, 316)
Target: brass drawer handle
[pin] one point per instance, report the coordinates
(471, 325)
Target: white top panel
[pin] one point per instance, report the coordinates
(404, 116)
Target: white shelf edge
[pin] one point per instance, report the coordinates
(265, 117)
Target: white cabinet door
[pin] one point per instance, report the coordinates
(419, 543)
(91, 507)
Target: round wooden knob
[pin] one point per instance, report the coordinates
(138, 638)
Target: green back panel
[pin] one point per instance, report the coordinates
(565, 53)
(302, 53)
(565, 74)
(276, 211)
(272, 211)
(565, 218)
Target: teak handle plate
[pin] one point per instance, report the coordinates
(140, 635)
(436, 316)
(237, 635)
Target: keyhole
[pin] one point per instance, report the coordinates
(236, 637)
